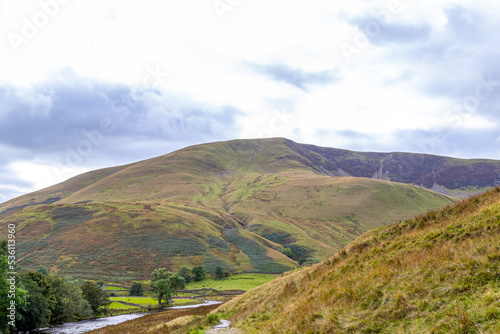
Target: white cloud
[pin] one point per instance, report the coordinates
(42, 174)
(423, 57)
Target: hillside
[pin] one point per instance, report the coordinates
(437, 273)
(236, 203)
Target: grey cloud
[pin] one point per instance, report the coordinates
(453, 142)
(48, 119)
(449, 141)
(81, 122)
(465, 23)
(294, 76)
(380, 33)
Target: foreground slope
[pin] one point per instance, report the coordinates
(239, 204)
(437, 273)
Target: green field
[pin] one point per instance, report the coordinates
(119, 306)
(145, 301)
(112, 288)
(234, 282)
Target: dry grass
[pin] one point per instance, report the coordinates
(438, 273)
(161, 322)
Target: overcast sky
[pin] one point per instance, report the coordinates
(92, 84)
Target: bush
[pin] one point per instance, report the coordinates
(198, 273)
(185, 273)
(136, 290)
(221, 272)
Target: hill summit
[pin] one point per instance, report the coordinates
(242, 204)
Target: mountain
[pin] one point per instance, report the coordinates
(437, 273)
(239, 203)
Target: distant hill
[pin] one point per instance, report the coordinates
(240, 204)
(437, 273)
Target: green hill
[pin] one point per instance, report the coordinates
(240, 204)
(437, 273)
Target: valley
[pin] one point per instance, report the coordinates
(264, 206)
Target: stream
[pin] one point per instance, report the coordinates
(89, 325)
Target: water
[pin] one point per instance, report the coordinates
(89, 325)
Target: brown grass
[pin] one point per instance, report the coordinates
(438, 273)
(161, 322)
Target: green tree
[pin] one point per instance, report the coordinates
(40, 302)
(70, 304)
(221, 272)
(96, 297)
(287, 251)
(162, 291)
(198, 273)
(185, 273)
(44, 270)
(176, 283)
(161, 273)
(136, 290)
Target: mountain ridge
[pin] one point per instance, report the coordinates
(410, 168)
(235, 203)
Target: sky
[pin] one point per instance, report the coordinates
(92, 84)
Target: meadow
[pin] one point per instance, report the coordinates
(243, 282)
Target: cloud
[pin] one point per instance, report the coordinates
(295, 76)
(400, 34)
(48, 119)
(62, 128)
(75, 97)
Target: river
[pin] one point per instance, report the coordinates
(89, 325)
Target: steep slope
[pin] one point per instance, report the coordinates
(437, 273)
(238, 203)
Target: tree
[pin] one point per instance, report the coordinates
(176, 283)
(44, 270)
(136, 290)
(96, 297)
(40, 302)
(198, 273)
(162, 290)
(221, 272)
(70, 304)
(185, 273)
(161, 273)
(287, 251)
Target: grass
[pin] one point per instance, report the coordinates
(235, 282)
(144, 301)
(437, 273)
(115, 288)
(120, 224)
(162, 322)
(183, 301)
(120, 306)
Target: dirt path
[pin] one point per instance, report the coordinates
(224, 327)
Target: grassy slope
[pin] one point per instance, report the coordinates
(437, 273)
(235, 203)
